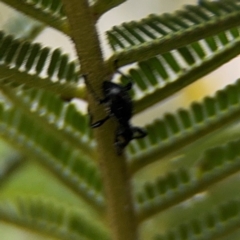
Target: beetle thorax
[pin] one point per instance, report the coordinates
(114, 92)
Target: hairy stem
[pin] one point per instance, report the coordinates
(114, 170)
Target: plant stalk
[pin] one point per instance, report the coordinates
(114, 170)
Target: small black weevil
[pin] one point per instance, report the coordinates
(118, 105)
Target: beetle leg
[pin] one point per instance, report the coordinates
(128, 86)
(117, 142)
(138, 132)
(104, 100)
(98, 123)
(120, 141)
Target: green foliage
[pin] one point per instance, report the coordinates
(50, 218)
(140, 40)
(29, 63)
(162, 76)
(39, 118)
(211, 226)
(176, 131)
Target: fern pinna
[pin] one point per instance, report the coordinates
(185, 168)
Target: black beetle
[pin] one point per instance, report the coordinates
(119, 106)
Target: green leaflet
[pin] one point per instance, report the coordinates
(216, 164)
(68, 163)
(51, 218)
(58, 135)
(24, 63)
(160, 77)
(219, 157)
(49, 12)
(157, 34)
(213, 225)
(165, 192)
(10, 165)
(64, 119)
(173, 132)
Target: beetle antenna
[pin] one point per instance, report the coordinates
(118, 71)
(124, 75)
(129, 85)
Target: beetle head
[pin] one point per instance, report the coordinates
(110, 88)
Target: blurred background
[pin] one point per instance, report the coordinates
(33, 179)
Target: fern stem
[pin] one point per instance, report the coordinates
(114, 170)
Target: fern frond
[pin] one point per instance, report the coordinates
(24, 63)
(50, 218)
(49, 12)
(173, 132)
(216, 164)
(69, 164)
(212, 225)
(141, 40)
(219, 157)
(52, 113)
(10, 165)
(164, 75)
(165, 192)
